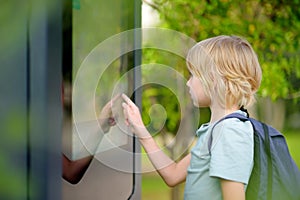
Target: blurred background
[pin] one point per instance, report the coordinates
(272, 28)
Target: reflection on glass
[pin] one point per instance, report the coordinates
(73, 170)
(96, 148)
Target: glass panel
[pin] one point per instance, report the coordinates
(97, 63)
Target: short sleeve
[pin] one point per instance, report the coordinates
(232, 151)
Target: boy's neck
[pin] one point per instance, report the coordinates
(218, 113)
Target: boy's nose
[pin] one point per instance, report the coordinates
(188, 83)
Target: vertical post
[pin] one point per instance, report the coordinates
(137, 94)
(45, 109)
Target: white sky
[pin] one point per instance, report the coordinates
(149, 16)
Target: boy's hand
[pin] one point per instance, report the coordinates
(133, 118)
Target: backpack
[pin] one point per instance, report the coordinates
(274, 176)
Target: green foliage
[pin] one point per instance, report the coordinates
(292, 139)
(271, 27)
(167, 116)
(154, 188)
(170, 115)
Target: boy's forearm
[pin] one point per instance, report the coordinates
(163, 164)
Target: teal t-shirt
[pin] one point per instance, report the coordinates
(231, 158)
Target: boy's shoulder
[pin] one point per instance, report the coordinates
(233, 123)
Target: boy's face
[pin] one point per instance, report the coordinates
(197, 93)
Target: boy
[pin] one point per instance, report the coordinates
(225, 74)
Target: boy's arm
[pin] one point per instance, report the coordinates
(172, 173)
(232, 190)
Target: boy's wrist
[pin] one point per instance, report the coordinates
(143, 133)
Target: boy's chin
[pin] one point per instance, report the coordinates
(196, 104)
(200, 105)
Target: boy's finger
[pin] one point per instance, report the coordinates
(115, 98)
(127, 100)
(124, 105)
(125, 110)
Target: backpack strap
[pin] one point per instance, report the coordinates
(268, 152)
(232, 115)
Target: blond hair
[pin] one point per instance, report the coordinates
(228, 69)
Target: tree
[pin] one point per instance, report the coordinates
(271, 27)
